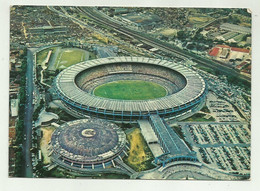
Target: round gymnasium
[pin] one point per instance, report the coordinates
(87, 144)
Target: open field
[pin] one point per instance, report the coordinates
(244, 20)
(47, 132)
(140, 156)
(169, 32)
(130, 90)
(41, 56)
(70, 56)
(199, 19)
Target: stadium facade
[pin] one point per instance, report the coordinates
(75, 86)
(87, 144)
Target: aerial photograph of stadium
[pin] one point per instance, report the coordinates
(130, 93)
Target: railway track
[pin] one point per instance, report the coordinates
(118, 27)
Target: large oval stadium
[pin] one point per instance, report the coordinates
(108, 88)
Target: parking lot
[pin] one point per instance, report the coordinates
(221, 110)
(224, 146)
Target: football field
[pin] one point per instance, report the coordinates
(70, 56)
(130, 90)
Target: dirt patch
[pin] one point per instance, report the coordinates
(199, 19)
(139, 155)
(47, 132)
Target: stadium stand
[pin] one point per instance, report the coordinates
(75, 86)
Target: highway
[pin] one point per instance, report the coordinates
(27, 166)
(115, 25)
(28, 117)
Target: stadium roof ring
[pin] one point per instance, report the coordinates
(191, 88)
(87, 144)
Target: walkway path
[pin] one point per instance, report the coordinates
(51, 65)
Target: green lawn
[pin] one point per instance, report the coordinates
(130, 90)
(205, 109)
(68, 57)
(92, 56)
(41, 56)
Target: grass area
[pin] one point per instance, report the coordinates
(178, 130)
(244, 20)
(205, 109)
(70, 56)
(102, 39)
(140, 156)
(209, 70)
(130, 90)
(133, 52)
(199, 117)
(62, 114)
(169, 32)
(245, 24)
(92, 56)
(47, 132)
(199, 19)
(40, 56)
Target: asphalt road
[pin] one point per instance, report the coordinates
(28, 117)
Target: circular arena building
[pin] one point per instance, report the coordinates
(77, 85)
(86, 144)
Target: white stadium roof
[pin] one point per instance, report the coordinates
(66, 87)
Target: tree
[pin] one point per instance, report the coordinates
(181, 35)
(233, 19)
(19, 160)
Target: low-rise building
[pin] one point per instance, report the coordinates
(14, 107)
(235, 28)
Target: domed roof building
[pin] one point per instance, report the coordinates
(87, 144)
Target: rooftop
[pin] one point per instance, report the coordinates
(174, 145)
(88, 140)
(214, 52)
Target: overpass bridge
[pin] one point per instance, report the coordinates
(164, 143)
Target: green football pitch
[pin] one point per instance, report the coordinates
(70, 56)
(130, 90)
